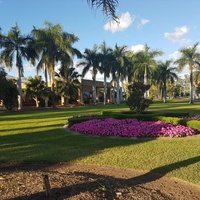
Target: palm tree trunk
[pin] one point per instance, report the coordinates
(145, 81)
(94, 88)
(164, 93)
(19, 88)
(62, 100)
(118, 87)
(191, 87)
(105, 90)
(46, 75)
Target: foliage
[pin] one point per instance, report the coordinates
(195, 124)
(136, 100)
(10, 94)
(67, 83)
(108, 6)
(2, 82)
(36, 89)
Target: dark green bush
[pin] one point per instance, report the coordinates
(82, 118)
(136, 100)
(194, 124)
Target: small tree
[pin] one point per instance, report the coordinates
(136, 100)
(35, 89)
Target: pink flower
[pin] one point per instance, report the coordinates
(131, 128)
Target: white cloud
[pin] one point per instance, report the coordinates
(143, 22)
(178, 36)
(137, 48)
(175, 55)
(124, 21)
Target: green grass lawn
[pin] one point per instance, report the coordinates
(38, 136)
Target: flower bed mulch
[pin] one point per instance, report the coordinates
(89, 182)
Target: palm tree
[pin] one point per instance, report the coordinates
(191, 58)
(67, 84)
(52, 43)
(17, 47)
(164, 73)
(106, 60)
(145, 63)
(118, 69)
(108, 6)
(91, 61)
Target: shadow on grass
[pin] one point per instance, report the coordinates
(111, 184)
(49, 147)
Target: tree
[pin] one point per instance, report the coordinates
(91, 61)
(136, 100)
(145, 63)
(106, 60)
(52, 44)
(118, 69)
(17, 47)
(67, 84)
(191, 58)
(36, 89)
(164, 73)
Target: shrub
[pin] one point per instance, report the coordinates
(10, 94)
(195, 124)
(136, 100)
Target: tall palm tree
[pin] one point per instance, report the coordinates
(17, 47)
(118, 69)
(106, 60)
(164, 73)
(52, 44)
(91, 61)
(144, 62)
(191, 58)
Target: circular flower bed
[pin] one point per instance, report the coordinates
(131, 128)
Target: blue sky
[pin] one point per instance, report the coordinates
(164, 25)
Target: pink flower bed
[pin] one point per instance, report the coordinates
(131, 128)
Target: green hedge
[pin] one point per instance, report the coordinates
(193, 124)
(171, 120)
(82, 118)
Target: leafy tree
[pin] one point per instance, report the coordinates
(165, 72)
(36, 89)
(191, 58)
(17, 47)
(2, 82)
(8, 91)
(91, 61)
(136, 100)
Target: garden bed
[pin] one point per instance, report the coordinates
(131, 128)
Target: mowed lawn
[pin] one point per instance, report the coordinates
(38, 136)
